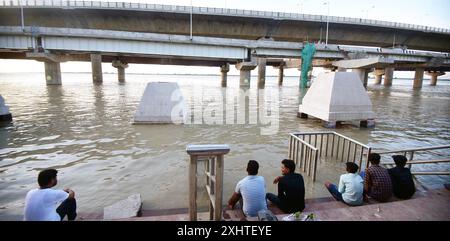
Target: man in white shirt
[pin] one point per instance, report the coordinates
(252, 190)
(351, 186)
(47, 204)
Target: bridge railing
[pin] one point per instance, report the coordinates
(216, 11)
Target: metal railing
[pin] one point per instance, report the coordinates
(304, 155)
(410, 153)
(217, 11)
(212, 155)
(306, 148)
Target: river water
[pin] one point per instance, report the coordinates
(85, 132)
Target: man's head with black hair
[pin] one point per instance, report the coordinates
(287, 167)
(351, 167)
(374, 158)
(252, 167)
(47, 178)
(399, 160)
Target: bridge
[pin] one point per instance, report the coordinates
(55, 31)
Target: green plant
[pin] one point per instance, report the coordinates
(310, 217)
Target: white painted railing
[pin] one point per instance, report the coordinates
(216, 11)
(409, 153)
(306, 148)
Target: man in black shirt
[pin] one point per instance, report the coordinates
(291, 189)
(402, 181)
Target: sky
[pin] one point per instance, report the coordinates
(433, 13)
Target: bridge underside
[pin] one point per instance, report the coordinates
(66, 56)
(131, 59)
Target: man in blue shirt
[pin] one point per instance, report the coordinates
(351, 186)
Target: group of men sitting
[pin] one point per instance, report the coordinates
(251, 191)
(45, 203)
(375, 182)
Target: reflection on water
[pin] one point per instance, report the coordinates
(85, 131)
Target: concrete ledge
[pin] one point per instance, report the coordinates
(201, 149)
(130, 207)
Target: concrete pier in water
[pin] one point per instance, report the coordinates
(223, 74)
(121, 66)
(388, 76)
(52, 73)
(418, 78)
(280, 74)
(261, 72)
(378, 75)
(245, 69)
(96, 63)
(335, 97)
(434, 76)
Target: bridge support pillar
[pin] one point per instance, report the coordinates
(418, 78)
(244, 77)
(96, 63)
(388, 76)
(434, 76)
(261, 72)
(224, 71)
(121, 66)
(245, 69)
(378, 79)
(52, 73)
(378, 75)
(281, 74)
(363, 75)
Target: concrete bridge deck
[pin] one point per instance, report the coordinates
(219, 22)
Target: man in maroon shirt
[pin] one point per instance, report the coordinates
(377, 182)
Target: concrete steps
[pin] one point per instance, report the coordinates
(202, 216)
(426, 205)
(432, 206)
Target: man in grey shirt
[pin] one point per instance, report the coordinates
(251, 190)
